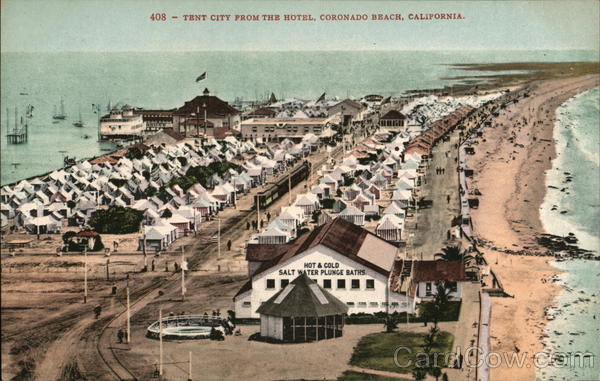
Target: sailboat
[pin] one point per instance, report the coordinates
(79, 123)
(61, 115)
(29, 111)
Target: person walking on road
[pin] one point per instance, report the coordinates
(120, 335)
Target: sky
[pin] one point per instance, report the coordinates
(125, 26)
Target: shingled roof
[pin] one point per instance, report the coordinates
(302, 297)
(339, 235)
(215, 107)
(429, 271)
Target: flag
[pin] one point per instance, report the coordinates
(321, 98)
(201, 77)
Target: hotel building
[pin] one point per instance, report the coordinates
(277, 129)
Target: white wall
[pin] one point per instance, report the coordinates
(422, 291)
(323, 263)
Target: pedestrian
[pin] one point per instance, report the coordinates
(247, 225)
(268, 216)
(448, 198)
(444, 377)
(460, 360)
(153, 265)
(97, 311)
(228, 245)
(114, 289)
(120, 335)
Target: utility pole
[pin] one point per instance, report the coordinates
(258, 211)
(290, 188)
(128, 315)
(85, 287)
(190, 367)
(144, 250)
(219, 238)
(183, 266)
(160, 335)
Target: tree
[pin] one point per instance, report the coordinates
(453, 254)
(419, 374)
(134, 153)
(390, 323)
(429, 339)
(116, 220)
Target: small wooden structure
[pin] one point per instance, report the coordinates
(302, 311)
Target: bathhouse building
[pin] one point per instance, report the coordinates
(344, 259)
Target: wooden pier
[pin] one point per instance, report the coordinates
(17, 137)
(19, 132)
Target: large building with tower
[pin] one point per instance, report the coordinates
(203, 114)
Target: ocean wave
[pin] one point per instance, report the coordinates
(564, 210)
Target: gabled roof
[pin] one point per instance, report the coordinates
(302, 297)
(215, 107)
(339, 235)
(393, 115)
(427, 271)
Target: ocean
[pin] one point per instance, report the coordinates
(167, 80)
(577, 323)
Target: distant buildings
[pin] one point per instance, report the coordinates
(394, 119)
(201, 115)
(121, 123)
(349, 111)
(278, 129)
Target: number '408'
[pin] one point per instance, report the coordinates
(158, 17)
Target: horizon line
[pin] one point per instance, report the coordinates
(306, 50)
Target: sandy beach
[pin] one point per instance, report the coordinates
(509, 170)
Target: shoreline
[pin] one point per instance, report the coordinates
(510, 165)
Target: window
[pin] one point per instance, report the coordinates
(341, 283)
(370, 283)
(452, 286)
(362, 304)
(355, 283)
(284, 282)
(384, 304)
(326, 283)
(373, 304)
(351, 304)
(394, 304)
(428, 289)
(270, 283)
(246, 304)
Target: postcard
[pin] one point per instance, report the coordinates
(300, 190)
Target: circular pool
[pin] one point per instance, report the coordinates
(186, 327)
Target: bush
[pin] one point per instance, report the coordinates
(116, 220)
(68, 237)
(98, 245)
